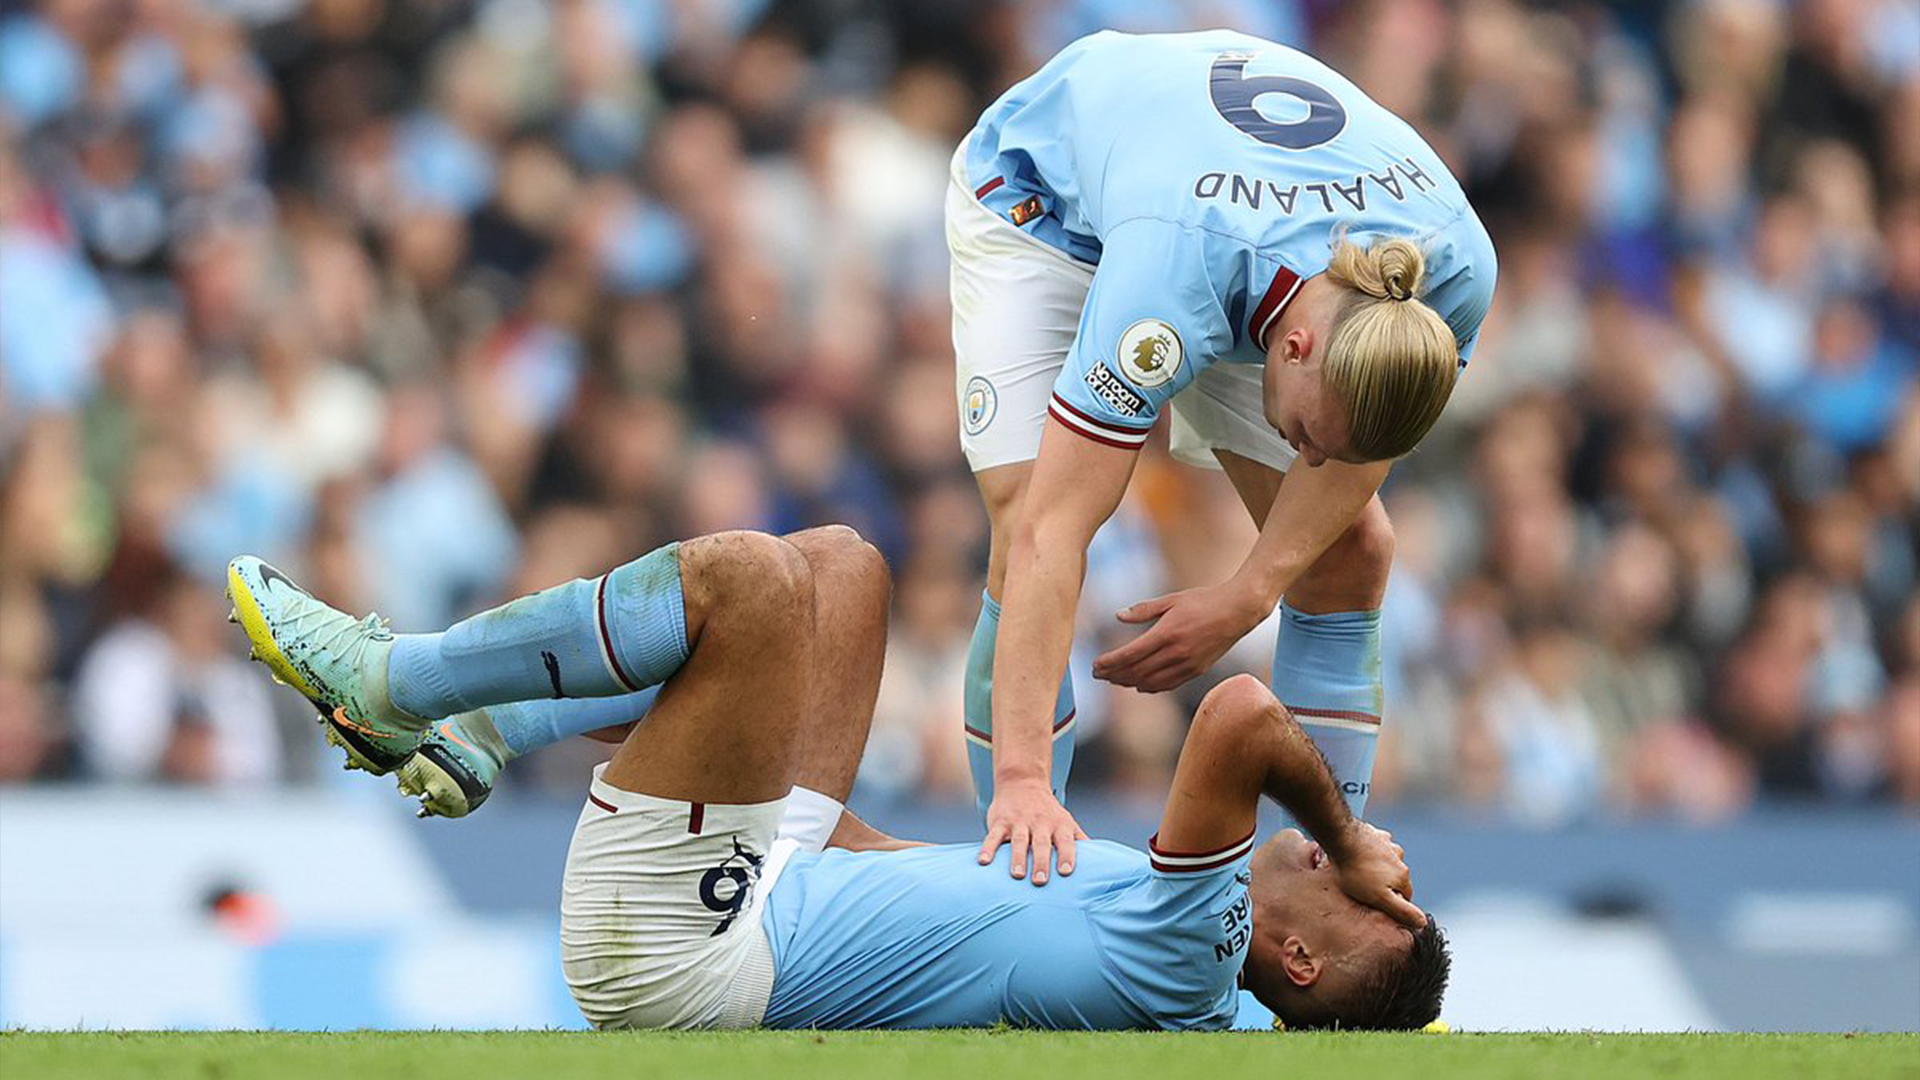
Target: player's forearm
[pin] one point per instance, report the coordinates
(1313, 507)
(1298, 779)
(1045, 571)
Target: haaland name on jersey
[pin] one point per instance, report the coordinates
(1251, 190)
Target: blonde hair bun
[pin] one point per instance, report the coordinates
(1385, 270)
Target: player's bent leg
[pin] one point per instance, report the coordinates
(454, 770)
(658, 923)
(1004, 489)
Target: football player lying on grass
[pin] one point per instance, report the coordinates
(715, 879)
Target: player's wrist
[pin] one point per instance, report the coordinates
(1341, 842)
(1252, 595)
(1021, 778)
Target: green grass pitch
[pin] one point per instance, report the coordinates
(964, 1055)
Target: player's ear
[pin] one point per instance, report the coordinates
(1294, 347)
(1299, 962)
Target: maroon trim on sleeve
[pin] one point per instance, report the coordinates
(1285, 285)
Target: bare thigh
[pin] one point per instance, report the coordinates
(726, 726)
(851, 593)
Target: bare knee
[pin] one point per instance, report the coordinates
(843, 562)
(1232, 709)
(1003, 488)
(747, 573)
(1351, 575)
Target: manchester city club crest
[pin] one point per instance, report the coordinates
(1150, 353)
(978, 405)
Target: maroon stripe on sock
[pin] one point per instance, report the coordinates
(606, 639)
(602, 803)
(1301, 712)
(988, 736)
(696, 817)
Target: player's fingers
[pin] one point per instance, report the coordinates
(1145, 610)
(1066, 840)
(996, 835)
(1170, 673)
(1042, 856)
(1018, 864)
(1119, 659)
(1404, 911)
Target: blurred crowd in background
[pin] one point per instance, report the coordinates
(438, 302)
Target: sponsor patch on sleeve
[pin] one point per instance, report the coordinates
(1114, 391)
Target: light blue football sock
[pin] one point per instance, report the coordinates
(1326, 671)
(526, 726)
(614, 634)
(978, 712)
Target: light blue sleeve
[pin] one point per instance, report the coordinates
(1179, 942)
(1155, 316)
(1464, 268)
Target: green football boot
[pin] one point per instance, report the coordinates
(453, 771)
(337, 661)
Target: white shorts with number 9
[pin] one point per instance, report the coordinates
(660, 909)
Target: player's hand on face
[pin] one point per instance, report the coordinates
(1372, 869)
(1028, 817)
(1191, 630)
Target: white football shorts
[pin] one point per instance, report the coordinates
(660, 909)
(1016, 310)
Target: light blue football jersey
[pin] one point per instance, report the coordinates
(1205, 176)
(929, 938)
